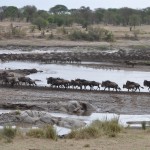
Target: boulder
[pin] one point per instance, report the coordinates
(77, 107)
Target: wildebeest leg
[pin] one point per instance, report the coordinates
(91, 87)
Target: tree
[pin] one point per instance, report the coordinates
(83, 16)
(42, 13)
(99, 14)
(11, 12)
(134, 20)
(40, 23)
(58, 9)
(2, 13)
(29, 12)
(125, 14)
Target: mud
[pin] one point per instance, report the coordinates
(48, 99)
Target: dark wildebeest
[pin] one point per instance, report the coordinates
(129, 87)
(146, 83)
(32, 82)
(94, 83)
(51, 80)
(10, 80)
(58, 82)
(75, 83)
(108, 84)
(84, 83)
(25, 80)
(137, 86)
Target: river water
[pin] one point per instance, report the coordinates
(71, 72)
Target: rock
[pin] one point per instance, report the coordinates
(75, 107)
(70, 123)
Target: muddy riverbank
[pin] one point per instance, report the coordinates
(112, 102)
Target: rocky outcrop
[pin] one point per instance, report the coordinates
(38, 118)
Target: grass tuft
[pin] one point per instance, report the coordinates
(96, 129)
(47, 132)
(9, 133)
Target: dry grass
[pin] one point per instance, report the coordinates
(118, 31)
(123, 37)
(132, 140)
(96, 129)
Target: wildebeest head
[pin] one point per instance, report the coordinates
(124, 86)
(146, 83)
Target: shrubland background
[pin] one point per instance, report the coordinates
(81, 24)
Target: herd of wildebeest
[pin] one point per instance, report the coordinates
(11, 80)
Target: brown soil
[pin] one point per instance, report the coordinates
(131, 140)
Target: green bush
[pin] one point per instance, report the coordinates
(144, 125)
(92, 34)
(97, 128)
(9, 133)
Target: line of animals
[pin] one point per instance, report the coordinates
(10, 79)
(80, 83)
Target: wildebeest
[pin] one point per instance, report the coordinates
(108, 84)
(58, 82)
(25, 80)
(146, 83)
(84, 83)
(10, 80)
(32, 82)
(75, 83)
(94, 83)
(129, 87)
(136, 85)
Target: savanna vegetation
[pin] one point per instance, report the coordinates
(73, 24)
(98, 135)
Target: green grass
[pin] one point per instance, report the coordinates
(8, 133)
(47, 132)
(96, 129)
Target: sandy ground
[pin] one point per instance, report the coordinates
(131, 140)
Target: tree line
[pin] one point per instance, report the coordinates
(60, 15)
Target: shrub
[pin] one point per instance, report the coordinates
(50, 132)
(9, 133)
(109, 37)
(46, 132)
(92, 34)
(144, 125)
(97, 128)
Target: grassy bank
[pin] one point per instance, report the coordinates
(133, 139)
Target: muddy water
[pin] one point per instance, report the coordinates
(74, 71)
